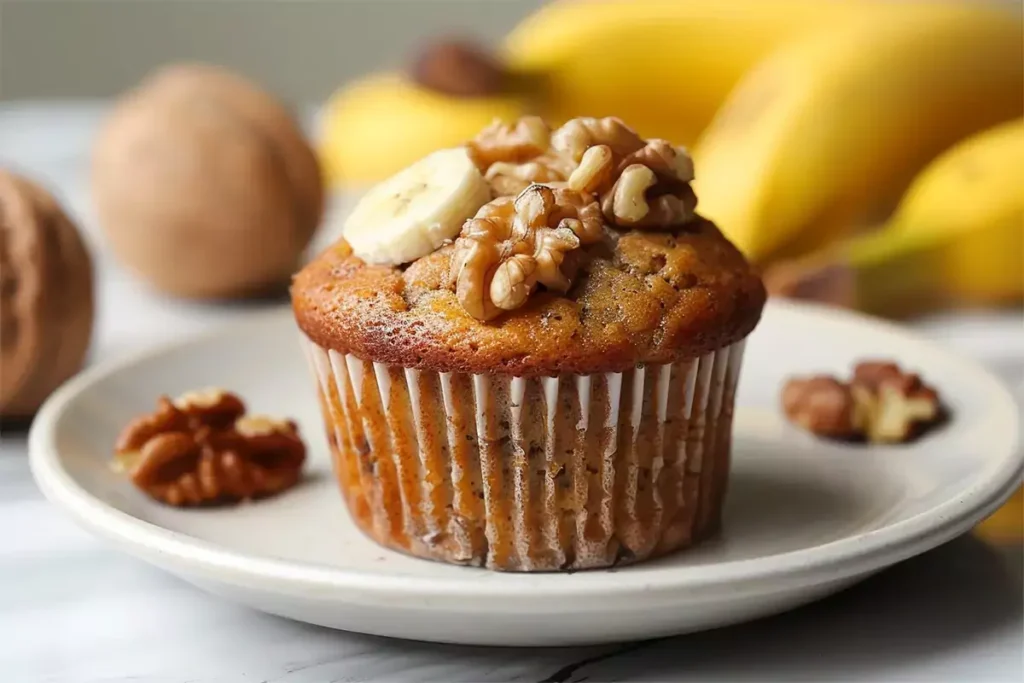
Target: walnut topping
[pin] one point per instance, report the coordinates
(508, 179)
(670, 164)
(881, 403)
(202, 449)
(578, 212)
(516, 142)
(578, 135)
(626, 202)
(651, 188)
(639, 183)
(568, 185)
(511, 246)
(594, 170)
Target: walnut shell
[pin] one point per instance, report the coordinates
(205, 185)
(46, 296)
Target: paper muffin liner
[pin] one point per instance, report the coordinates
(531, 474)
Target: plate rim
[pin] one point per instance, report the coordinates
(844, 557)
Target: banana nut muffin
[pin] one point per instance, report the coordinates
(548, 383)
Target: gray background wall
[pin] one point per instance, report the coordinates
(302, 49)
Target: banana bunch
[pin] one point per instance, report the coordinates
(665, 66)
(808, 120)
(956, 238)
(823, 136)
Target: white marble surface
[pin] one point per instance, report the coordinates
(73, 610)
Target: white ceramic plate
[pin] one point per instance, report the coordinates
(804, 517)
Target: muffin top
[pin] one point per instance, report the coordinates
(582, 254)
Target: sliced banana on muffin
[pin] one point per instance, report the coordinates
(415, 211)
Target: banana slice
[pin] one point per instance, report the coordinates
(413, 212)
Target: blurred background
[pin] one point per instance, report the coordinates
(300, 49)
(812, 123)
(863, 153)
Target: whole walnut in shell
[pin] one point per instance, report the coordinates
(46, 296)
(205, 185)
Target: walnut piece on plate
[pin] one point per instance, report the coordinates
(822, 405)
(881, 404)
(899, 405)
(202, 449)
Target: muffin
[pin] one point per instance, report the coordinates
(527, 351)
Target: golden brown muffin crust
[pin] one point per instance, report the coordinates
(641, 297)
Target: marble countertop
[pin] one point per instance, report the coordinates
(73, 610)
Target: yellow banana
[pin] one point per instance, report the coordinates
(663, 66)
(374, 127)
(826, 133)
(956, 238)
(1006, 525)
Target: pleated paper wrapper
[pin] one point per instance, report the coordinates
(531, 474)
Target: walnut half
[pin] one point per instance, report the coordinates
(641, 183)
(515, 143)
(511, 246)
(568, 185)
(578, 135)
(881, 403)
(651, 188)
(201, 449)
(899, 405)
(824, 406)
